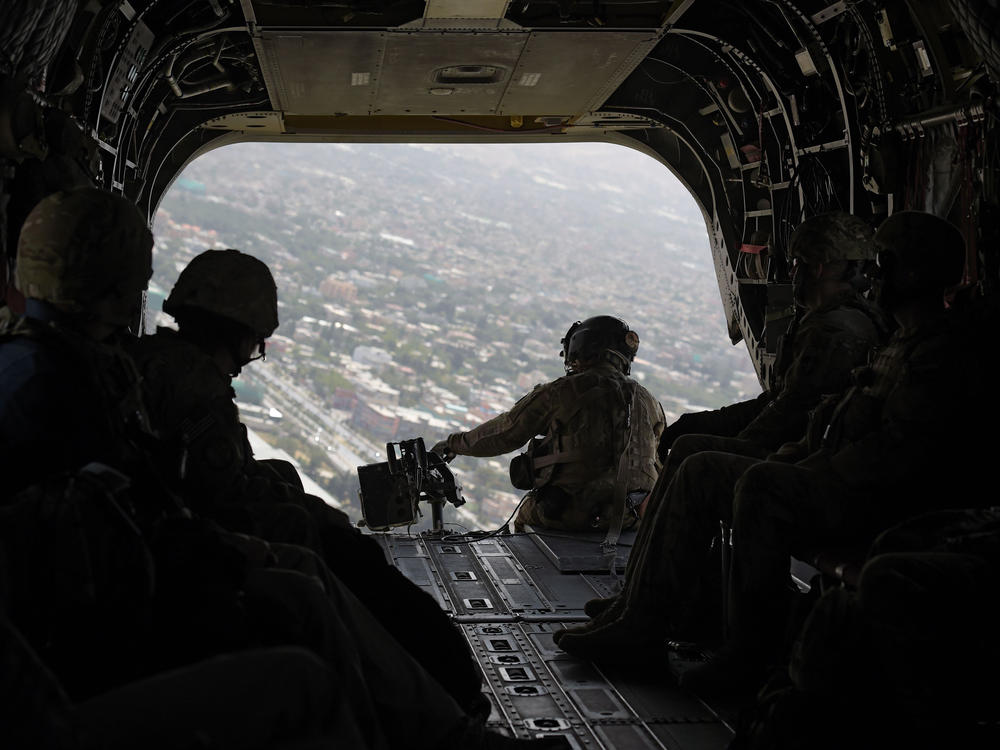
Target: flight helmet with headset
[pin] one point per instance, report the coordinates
(587, 341)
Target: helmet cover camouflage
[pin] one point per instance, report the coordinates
(77, 245)
(832, 236)
(230, 284)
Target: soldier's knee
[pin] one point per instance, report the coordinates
(688, 445)
(309, 686)
(302, 664)
(756, 480)
(753, 497)
(693, 466)
(282, 470)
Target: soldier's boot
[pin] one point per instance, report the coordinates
(624, 640)
(598, 606)
(412, 616)
(731, 670)
(614, 609)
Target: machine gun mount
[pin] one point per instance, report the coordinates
(391, 491)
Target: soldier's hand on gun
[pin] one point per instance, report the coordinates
(441, 448)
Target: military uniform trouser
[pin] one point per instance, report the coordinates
(412, 616)
(256, 699)
(267, 698)
(673, 576)
(890, 640)
(584, 508)
(286, 523)
(920, 604)
(780, 510)
(402, 698)
(684, 447)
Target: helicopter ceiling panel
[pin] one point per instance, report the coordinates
(481, 9)
(547, 76)
(316, 72)
(327, 72)
(446, 73)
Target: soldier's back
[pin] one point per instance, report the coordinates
(63, 401)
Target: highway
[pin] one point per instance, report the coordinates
(347, 449)
(327, 428)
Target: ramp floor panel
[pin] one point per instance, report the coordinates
(509, 594)
(580, 552)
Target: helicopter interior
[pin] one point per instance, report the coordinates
(768, 111)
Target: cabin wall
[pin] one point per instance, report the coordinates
(769, 111)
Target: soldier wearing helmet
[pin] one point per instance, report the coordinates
(834, 330)
(84, 258)
(228, 298)
(900, 439)
(226, 305)
(69, 396)
(586, 422)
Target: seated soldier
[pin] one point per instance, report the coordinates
(93, 543)
(835, 329)
(876, 457)
(600, 429)
(226, 306)
(97, 631)
(75, 303)
(266, 698)
(878, 657)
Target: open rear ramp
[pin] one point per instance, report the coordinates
(509, 594)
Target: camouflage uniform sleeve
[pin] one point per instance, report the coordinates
(827, 347)
(218, 451)
(652, 421)
(507, 432)
(927, 420)
(660, 418)
(192, 407)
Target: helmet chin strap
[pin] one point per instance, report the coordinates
(233, 348)
(235, 351)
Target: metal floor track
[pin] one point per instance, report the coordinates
(508, 594)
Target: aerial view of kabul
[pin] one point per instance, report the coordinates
(423, 289)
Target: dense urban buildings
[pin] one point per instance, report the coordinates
(423, 289)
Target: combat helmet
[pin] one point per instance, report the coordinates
(932, 247)
(830, 237)
(78, 246)
(231, 285)
(587, 340)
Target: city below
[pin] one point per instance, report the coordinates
(417, 297)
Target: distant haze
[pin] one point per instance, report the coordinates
(424, 288)
(607, 226)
